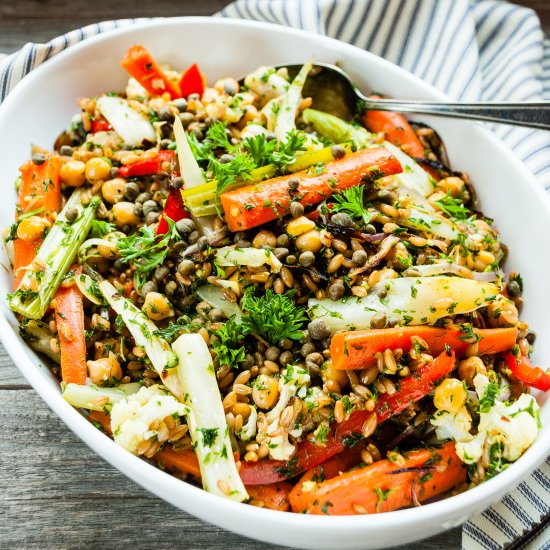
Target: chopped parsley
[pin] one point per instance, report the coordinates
(350, 201)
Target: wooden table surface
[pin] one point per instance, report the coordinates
(54, 491)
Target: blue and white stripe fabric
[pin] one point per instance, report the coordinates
(469, 49)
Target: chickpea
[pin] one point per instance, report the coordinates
(329, 372)
(450, 395)
(72, 173)
(123, 214)
(32, 228)
(483, 259)
(97, 169)
(264, 238)
(452, 185)
(100, 323)
(265, 392)
(309, 241)
(299, 226)
(469, 368)
(110, 250)
(104, 369)
(157, 306)
(113, 190)
(502, 313)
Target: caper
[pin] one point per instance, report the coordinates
(71, 214)
(306, 258)
(186, 119)
(318, 329)
(177, 183)
(338, 151)
(150, 206)
(180, 104)
(378, 320)
(185, 226)
(131, 191)
(149, 286)
(272, 353)
(296, 209)
(66, 151)
(342, 219)
(186, 267)
(513, 288)
(359, 257)
(336, 290)
(161, 272)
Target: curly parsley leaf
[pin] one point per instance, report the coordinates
(228, 344)
(273, 316)
(351, 202)
(101, 228)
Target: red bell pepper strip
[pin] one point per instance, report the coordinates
(309, 455)
(192, 82)
(173, 209)
(356, 349)
(150, 166)
(522, 368)
(141, 65)
(100, 125)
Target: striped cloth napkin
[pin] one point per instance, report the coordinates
(469, 49)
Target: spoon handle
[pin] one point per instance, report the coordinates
(530, 115)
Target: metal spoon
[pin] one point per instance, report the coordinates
(333, 91)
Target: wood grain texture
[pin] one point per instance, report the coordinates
(54, 491)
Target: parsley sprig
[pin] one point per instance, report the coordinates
(453, 207)
(228, 344)
(273, 316)
(350, 201)
(147, 250)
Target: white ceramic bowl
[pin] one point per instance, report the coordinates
(42, 105)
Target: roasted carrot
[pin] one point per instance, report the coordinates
(183, 461)
(398, 131)
(40, 191)
(141, 65)
(69, 316)
(258, 203)
(356, 349)
(332, 467)
(309, 455)
(101, 418)
(274, 497)
(385, 485)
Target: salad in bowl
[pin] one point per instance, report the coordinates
(288, 309)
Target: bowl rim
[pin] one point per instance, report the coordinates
(459, 506)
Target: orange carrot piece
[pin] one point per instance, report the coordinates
(141, 65)
(183, 461)
(258, 203)
(101, 418)
(385, 485)
(274, 497)
(332, 467)
(398, 131)
(356, 349)
(69, 316)
(40, 189)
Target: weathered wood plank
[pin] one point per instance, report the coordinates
(56, 493)
(9, 374)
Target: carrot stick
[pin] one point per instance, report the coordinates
(141, 65)
(69, 316)
(274, 497)
(183, 461)
(40, 189)
(258, 203)
(385, 485)
(327, 470)
(398, 131)
(356, 349)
